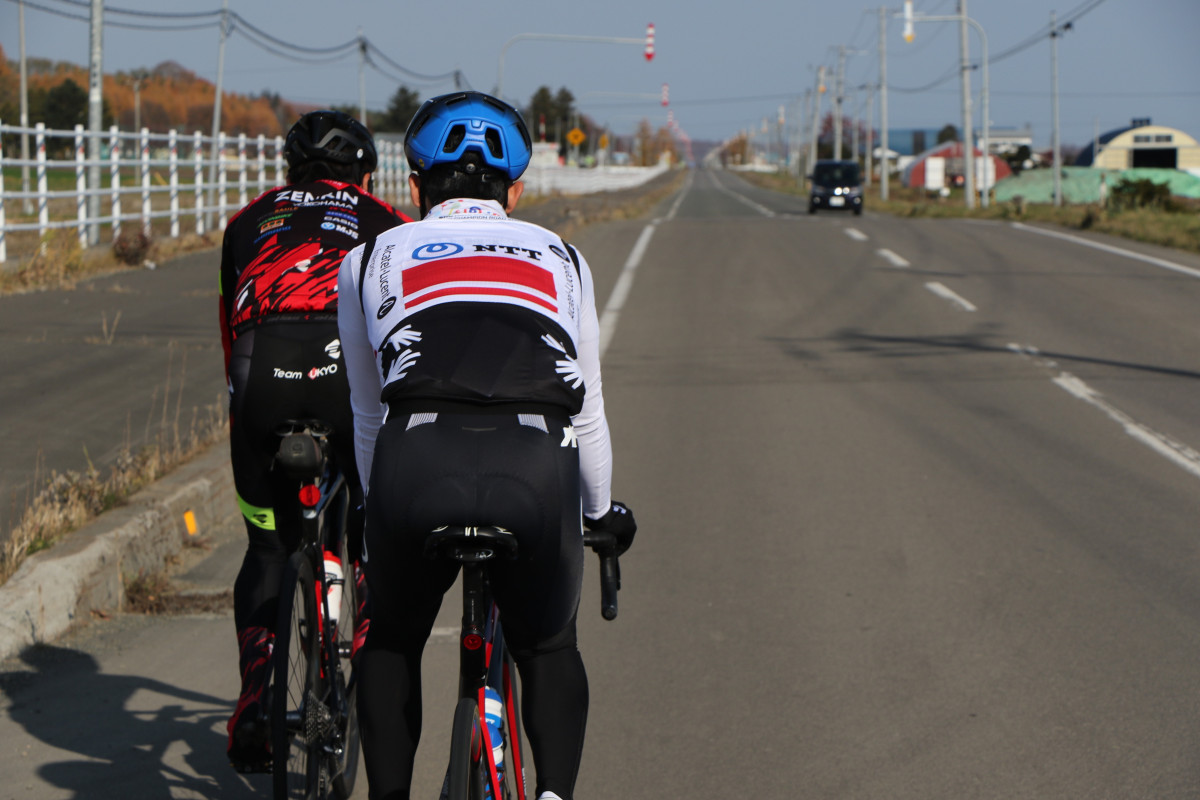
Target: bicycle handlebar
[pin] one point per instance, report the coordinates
(605, 546)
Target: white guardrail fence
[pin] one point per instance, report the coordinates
(185, 180)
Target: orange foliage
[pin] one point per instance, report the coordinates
(171, 97)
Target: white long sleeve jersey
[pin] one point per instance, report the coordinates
(471, 307)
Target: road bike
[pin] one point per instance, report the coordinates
(485, 664)
(313, 721)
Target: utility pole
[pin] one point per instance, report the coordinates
(362, 78)
(137, 105)
(802, 150)
(854, 129)
(816, 120)
(24, 108)
(968, 146)
(95, 110)
(837, 103)
(884, 161)
(870, 134)
(216, 124)
(1054, 92)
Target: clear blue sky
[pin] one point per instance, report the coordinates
(727, 70)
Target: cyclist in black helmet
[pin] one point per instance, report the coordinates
(482, 333)
(278, 317)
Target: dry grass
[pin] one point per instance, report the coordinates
(1177, 226)
(153, 593)
(71, 499)
(60, 262)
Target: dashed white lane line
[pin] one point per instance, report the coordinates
(1177, 453)
(1180, 454)
(856, 234)
(892, 258)
(942, 291)
(766, 212)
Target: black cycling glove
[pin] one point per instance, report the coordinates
(619, 522)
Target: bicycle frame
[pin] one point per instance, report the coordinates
(324, 501)
(482, 658)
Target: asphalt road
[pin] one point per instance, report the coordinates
(917, 504)
(119, 362)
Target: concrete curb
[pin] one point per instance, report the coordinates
(84, 573)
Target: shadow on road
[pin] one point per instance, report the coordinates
(134, 736)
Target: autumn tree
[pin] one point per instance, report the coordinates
(650, 145)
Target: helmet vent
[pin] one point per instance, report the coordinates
(454, 138)
(492, 137)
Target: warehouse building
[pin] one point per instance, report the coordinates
(1142, 144)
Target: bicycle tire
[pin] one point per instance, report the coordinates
(466, 778)
(347, 773)
(295, 701)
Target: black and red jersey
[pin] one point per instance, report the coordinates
(282, 252)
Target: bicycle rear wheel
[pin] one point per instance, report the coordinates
(343, 783)
(296, 708)
(468, 772)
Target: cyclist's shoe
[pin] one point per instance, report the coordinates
(250, 745)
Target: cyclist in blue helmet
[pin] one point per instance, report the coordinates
(471, 342)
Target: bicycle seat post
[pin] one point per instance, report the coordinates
(472, 548)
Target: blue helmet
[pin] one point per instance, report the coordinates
(445, 129)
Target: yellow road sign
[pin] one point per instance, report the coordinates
(575, 136)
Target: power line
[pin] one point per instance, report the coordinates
(341, 48)
(272, 50)
(54, 11)
(1086, 7)
(371, 48)
(138, 13)
(250, 32)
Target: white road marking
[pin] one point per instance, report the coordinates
(766, 212)
(856, 234)
(620, 292)
(1179, 454)
(444, 632)
(1108, 248)
(1182, 455)
(895, 260)
(942, 291)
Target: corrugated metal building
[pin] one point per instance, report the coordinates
(1142, 144)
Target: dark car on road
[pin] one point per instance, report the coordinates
(835, 185)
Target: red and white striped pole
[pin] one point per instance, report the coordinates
(650, 42)
(664, 96)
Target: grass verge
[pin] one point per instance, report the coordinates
(71, 499)
(59, 262)
(153, 593)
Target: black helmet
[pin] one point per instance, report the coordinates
(330, 136)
